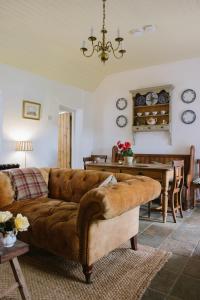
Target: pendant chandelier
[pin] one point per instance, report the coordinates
(104, 47)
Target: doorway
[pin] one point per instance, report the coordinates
(65, 140)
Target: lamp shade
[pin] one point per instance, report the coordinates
(24, 146)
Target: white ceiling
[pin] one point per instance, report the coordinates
(44, 36)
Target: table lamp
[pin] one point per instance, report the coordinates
(24, 146)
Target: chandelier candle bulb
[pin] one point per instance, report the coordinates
(92, 31)
(118, 33)
(83, 44)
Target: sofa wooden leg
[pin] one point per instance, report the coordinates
(134, 243)
(87, 271)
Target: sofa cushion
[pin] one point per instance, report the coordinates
(109, 181)
(45, 174)
(6, 191)
(28, 183)
(52, 225)
(70, 185)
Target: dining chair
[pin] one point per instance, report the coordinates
(85, 160)
(196, 185)
(116, 156)
(94, 158)
(175, 190)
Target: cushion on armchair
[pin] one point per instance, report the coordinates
(28, 183)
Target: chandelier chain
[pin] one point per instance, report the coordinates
(104, 14)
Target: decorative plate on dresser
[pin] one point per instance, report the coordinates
(140, 100)
(151, 98)
(163, 97)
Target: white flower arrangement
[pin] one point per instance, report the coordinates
(10, 223)
(5, 216)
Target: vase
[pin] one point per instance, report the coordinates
(9, 239)
(128, 160)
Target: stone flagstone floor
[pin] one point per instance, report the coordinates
(180, 277)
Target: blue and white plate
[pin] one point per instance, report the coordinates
(151, 98)
(140, 100)
(163, 97)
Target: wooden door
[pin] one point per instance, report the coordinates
(64, 140)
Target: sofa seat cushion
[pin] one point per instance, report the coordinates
(52, 225)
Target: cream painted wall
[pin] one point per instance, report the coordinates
(16, 85)
(183, 75)
(1, 121)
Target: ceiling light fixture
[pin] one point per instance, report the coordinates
(137, 32)
(103, 47)
(145, 29)
(149, 28)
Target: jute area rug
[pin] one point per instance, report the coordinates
(123, 274)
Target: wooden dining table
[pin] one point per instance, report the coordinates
(162, 173)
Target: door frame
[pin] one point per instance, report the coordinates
(73, 112)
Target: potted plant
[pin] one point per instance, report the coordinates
(125, 149)
(9, 227)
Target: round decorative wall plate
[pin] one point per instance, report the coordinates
(140, 100)
(188, 96)
(121, 103)
(151, 98)
(163, 97)
(188, 117)
(121, 121)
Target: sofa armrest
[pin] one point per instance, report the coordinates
(113, 200)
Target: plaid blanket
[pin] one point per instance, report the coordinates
(28, 183)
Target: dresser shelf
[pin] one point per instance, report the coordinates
(142, 128)
(149, 116)
(149, 106)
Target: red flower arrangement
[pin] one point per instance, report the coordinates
(125, 148)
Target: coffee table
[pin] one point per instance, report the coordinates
(10, 255)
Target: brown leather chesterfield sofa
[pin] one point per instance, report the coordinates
(81, 221)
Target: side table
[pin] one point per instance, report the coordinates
(10, 255)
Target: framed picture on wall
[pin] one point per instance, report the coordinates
(31, 110)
